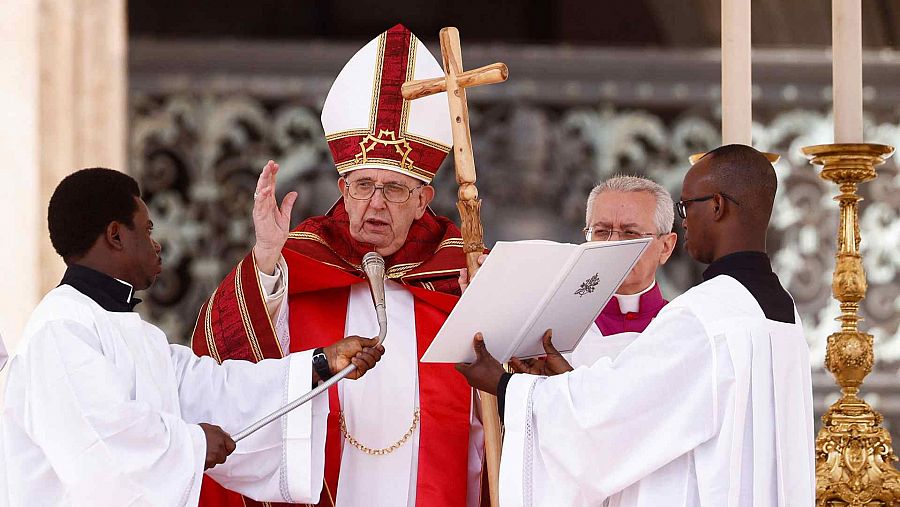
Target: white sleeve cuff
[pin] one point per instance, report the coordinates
(274, 289)
(273, 285)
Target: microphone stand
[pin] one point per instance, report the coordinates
(373, 265)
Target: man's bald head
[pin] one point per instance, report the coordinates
(729, 193)
(747, 176)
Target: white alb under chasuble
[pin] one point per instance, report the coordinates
(102, 410)
(710, 406)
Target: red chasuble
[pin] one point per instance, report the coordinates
(323, 262)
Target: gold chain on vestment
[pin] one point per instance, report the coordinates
(380, 452)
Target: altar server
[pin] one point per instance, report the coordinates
(102, 410)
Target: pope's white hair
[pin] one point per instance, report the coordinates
(663, 216)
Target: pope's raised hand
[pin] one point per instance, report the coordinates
(271, 223)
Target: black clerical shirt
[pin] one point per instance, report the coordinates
(754, 271)
(111, 294)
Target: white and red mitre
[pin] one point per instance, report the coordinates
(367, 122)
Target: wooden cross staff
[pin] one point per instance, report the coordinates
(455, 83)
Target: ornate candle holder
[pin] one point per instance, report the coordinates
(853, 451)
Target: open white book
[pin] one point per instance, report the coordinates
(527, 287)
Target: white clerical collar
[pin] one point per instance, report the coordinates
(631, 303)
(130, 289)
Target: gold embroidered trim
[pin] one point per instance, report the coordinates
(406, 266)
(431, 143)
(313, 237)
(411, 169)
(410, 72)
(307, 235)
(440, 272)
(207, 327)
(396, 276)
(387, 450)
(428, 142)
(400, 270)
(328, 490)
(385, 138)
(451, 242)
(340, 134)
(245, 314)
(376, 86)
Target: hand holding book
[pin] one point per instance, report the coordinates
(552, 364)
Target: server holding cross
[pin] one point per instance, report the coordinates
(469, 205)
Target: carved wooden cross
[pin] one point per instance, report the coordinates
(455, 83)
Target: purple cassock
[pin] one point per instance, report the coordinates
(614, 319)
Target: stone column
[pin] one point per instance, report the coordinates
(83, 90)
(63, 100)
(20, 225)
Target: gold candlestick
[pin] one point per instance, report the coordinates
(853, 451)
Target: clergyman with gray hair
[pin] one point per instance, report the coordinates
(620, 208)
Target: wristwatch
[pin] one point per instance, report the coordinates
(320, 364)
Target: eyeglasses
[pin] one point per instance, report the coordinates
(681, 206)
(592, 234)
(392, 192)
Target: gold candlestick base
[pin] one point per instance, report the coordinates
(853, 451)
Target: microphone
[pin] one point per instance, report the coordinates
(373, 265)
